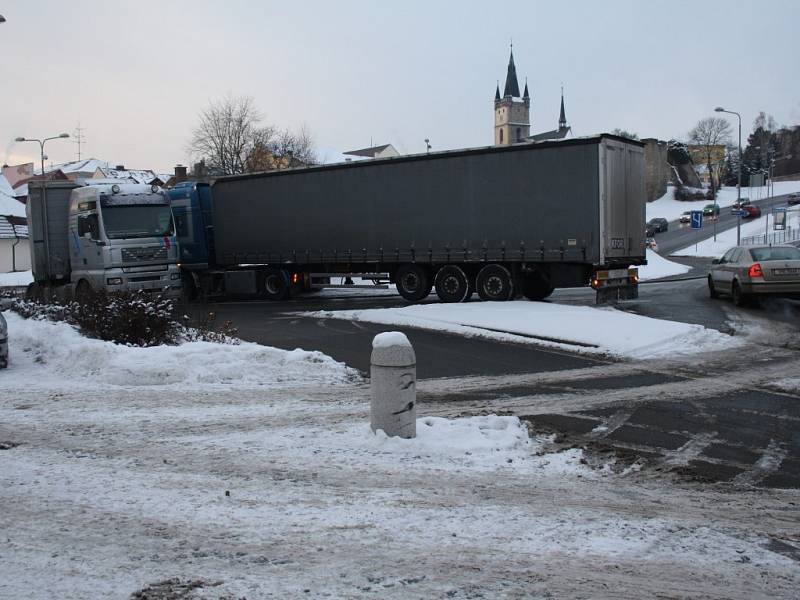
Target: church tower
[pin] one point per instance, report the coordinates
(512, 122)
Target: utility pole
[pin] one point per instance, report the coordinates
(79, 138)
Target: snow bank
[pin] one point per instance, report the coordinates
(17, 278)
(42, 351)
(586, 329)
(658, 267)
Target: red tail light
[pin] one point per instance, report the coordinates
(755, 271)
(295, 278)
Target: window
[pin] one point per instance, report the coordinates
(519, 134)
(776, 253)
(728, 256)
(89, 224)
(501, 136)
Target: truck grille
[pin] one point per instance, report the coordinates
(134, 255)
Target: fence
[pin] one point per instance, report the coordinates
(787, 236)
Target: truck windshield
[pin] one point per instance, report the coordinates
(139, 220)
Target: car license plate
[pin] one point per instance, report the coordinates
(785, 271)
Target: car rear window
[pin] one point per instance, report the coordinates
(775, 253)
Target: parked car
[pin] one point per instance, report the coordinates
(3, 342)
(748, 272)
(710, 209)
(686, 217)
(793, 199)
(751, 212)
(651, 243)
(736, 206)
(658, 224)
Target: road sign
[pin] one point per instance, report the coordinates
(740, 213)
(778, 219)
(697, 219)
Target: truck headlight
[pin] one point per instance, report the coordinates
(174, 276)
(114, 281)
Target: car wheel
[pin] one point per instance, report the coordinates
(739, 298)
(711, 289)
(494, 283)
(413, 282)
(452, 284)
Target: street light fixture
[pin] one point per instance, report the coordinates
(739, 186)
(41, 144)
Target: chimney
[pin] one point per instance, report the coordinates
(120, 167)
(180, 173)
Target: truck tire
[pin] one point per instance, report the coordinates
(83, 291)
(413, 282)
(189, 291)
(536, 286)
(494, 283)
(452, 284)
(34, 293)
(274, 285)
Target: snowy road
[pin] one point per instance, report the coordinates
(274, 487)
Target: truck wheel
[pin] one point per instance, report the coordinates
(452, 285)
(275, 285)
(34, 293)
(494, 283)
(189, 290)
(412, 282)
(536, 286)
(83, 291)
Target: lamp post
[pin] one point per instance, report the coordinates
(739, 186)
(41, 144)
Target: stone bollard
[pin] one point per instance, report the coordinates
(393, 382)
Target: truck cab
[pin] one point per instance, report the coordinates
(122, 238)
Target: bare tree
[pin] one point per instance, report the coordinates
(709, 134)
(623, 133)
(230, 139)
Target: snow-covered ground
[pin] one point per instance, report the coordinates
(657, 267)
(577, 328)
(262, 479)
(727, 239)
(670, 209)
(17, 278)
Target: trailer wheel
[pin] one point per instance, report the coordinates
(275, 285)
(494, 283)
(412, 282)
(452, 284)
(536, 286)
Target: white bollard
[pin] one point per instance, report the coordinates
(393, 382)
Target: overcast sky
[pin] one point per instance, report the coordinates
(135, 75)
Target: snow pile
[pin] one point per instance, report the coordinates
(586, 329)
(658, 267)
(44, 350)
(17, 278)
(390, 338)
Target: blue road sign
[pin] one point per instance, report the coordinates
(740, 213)
(697, 219)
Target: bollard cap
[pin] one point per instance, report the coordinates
(392, 349)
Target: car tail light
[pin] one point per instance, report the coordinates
(755, 270)
(295, 278)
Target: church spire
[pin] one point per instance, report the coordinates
(497, 93)
(562, 119)
(512, 85)
(525, 94)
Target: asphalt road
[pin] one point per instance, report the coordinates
(680, 235)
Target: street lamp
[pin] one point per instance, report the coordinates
(739, 186)
(41, 144)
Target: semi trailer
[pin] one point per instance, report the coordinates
(503, 221)
(105, 237)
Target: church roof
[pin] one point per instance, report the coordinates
(556, 134)
(512, 85)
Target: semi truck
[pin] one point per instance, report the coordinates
(106, 237)
(503, 221)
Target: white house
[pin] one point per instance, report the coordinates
(15, 254)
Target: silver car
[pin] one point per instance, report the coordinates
(3, 342)
(749, 272)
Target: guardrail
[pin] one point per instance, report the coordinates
(786, 236)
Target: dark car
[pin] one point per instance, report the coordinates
(748, 272)
(793, 199)
(751, 212)
(3, 342)
(658, 224)
(710, 210)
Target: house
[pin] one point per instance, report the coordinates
(15, 254)
(146, 176)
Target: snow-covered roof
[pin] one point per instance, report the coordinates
(5, 187)
(21, 191)
(11, 231)
(90, 165)
(131, 175)
(11, 206)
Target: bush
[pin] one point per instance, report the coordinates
(685, 193)
(129, 318)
